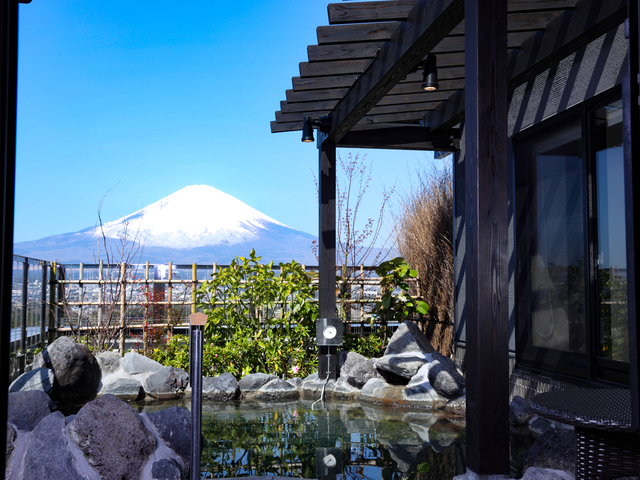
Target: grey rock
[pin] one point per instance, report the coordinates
(313, 376)
(166, 384)
(406, 456)
(76, 370)
(519, 412)
(295, 381)
(11, 438)
(112, 438)
(173, 426)
(556, 449)
(444, 377)
(134, 363)
(37, 379)
(408, 338)
(27, 409)
(276, 390)
(312, 387)
(534, 473)
(357, 369)
(109, 362)
(127, 389)
(254, 381)
(457, 406)
(220, 389)
(539, 425)
(402, 365)
(166, 469)
(344, 390)
(47, 456)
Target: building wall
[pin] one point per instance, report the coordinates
(594, 69)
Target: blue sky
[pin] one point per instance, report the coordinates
(155, 96)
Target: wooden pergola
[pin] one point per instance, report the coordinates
(361, 86)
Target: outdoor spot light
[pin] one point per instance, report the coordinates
(307, 130)
(430, 75)
(322, 123)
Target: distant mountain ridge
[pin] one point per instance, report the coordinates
(197, 224)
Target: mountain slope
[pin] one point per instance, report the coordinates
(197, 224)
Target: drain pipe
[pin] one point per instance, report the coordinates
(196, 333)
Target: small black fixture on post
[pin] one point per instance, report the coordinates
(430, 74)
(323, 124)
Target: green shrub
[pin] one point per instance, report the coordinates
(259, 321)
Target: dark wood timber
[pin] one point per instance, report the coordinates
(563, 36)
(285, 127)
(338, 67)
(343, 51)
(427, 24)
(487, 257)
(315, 95)
(445, 85)
(286, 107)
(631, 135)
(422, 96)
(456, 43)
(408, 138)
(8, 94)
(448, 113)
(299, 116)
(364, 12)
(364, 32)
(521, 21)
(327, 228)
(314, 83)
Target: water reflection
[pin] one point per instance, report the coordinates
(341, 441)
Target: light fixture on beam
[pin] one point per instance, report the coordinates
(430, 74)
(323, 124)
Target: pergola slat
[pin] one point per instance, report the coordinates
(343, 51)
(313, 83)
(315, 95)
(363, 32)
(286, 107)
(414, 98)
(366, 12)
(407, 138)
(428, 23)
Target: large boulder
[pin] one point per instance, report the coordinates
(112, 438)
(47, 456)
(127, 389)
(408, 338)
(399, 368)
(444, 376)
(133, 363)
(77, 372)
(173, 426)
(36, 379)
(109, 362)
(166, 469)
(555, 449)
(356, 369)
(519, 412)
(277, 390)
(166, 384)
(27, 409)
(254, 381)
(220, 389)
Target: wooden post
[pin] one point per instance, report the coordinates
(81, 296)
(145, 334)
(53, 301)
(170, 300)
(123, 306)
(631, 137)
(24, 301)
(327, 247)
(486, 193)
(8, 89)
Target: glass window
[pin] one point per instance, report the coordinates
(571, 288)
(611, 258)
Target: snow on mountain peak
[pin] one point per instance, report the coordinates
(195, 216)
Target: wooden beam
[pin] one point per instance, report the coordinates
(631, 136)
(8, 96)
(315, 95)
(405, 138)
(314, 83)
(487, 245)
(326, 228)
(364, 12)
(365, 32)
(456, 43)
(563, 36)
(404, 117)
(428, 23)
(285, 127)
(422, 96)
(448, 114)
(299, 116)
(517, 22)
(343, 51)
(286, 107)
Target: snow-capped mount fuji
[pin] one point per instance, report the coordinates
(197, 224)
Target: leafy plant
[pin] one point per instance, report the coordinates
(392, 306)
(259, 321)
